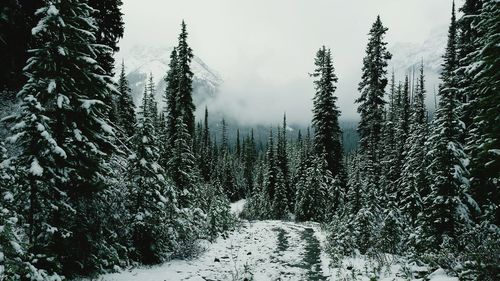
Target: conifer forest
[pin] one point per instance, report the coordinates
(107, 178)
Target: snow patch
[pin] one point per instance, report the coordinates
(237, 207)
(35, 168)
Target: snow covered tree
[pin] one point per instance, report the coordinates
(327, 133)
(279, 204)
(390, 167)
(371, 108)
(172, 109)
(205, 162)
(110, 27)
(483, 142)
(152, 104)
(414, 182)
(249, 158)
(153, 204)
(447, 213)
(271, 168)
(184, 81)
(14, 261)
(64, 140)
(182, 167)
(282, 160)
(125, 104)
(312, 198)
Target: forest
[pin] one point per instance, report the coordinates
(92, 183)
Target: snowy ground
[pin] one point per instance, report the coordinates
(269, 250)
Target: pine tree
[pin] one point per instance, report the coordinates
(152, 104)
(311, 199)
(280, 200)
(110, 28)
(182, 167)
(238, 144)
(272, 168)
(327, 133)
(206, 151)
(483, 142)
(14, 263)
(152, 202)
(401, 137)
(125, 104)
(185, 80)
(371, 108)
(64, 142)
(389, 163)
(447, 214)
(172, 107)
(283, 162)
(414, 182)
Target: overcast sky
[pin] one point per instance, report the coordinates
(264, 49)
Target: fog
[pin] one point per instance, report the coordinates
(264, 50)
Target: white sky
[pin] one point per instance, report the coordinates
(264, 49)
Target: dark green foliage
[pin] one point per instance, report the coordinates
(125, 105)
(327, 133)
(110, 28)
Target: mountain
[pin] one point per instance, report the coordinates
(140, 61)
(408, 56)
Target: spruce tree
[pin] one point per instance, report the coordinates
(125, 104)
(371, 108)
(152, 104)
(447, 215)
(414, 183)
(206, 152)
(283, 162)
(152, 201)
(110, 28)
(172, 107)
(185, 80)
(64, 141)
(182, 167)
(272, 168)
(483, 142)
(327, 133)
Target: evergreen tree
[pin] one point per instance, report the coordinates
(272, 168)
(14, 263)
(110, 28)
(414, 182)
(206, 151)
(152, 202)
(64, 142)
(371, 108)
(125, 105)
(238, 144)
(327, 133)
(483, 142)
(312, 191)
(172, 107)
(447, 214)
(181, 166)
(184, 81)
(401, 137)
(283, 163)
(152, 104)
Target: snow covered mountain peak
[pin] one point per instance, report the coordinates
(141, 61)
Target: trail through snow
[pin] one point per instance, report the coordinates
(262, 250)
(268, 251)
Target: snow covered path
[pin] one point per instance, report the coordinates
(262, 250)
